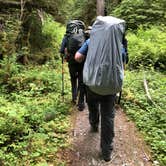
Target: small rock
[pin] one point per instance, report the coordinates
(135, 152)
(156, 163)
(78, 154)
(125, 164)
(94, 162)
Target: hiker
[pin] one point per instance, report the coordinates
(87, 32)
(103, 74)
(72, 41)
(125, 55)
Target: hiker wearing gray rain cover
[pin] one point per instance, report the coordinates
(103, 75)
(103, 70)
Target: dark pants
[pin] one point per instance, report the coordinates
(76, 77)
(104, 106)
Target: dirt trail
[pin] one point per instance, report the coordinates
(129, 147)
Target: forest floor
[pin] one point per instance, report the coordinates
(129, 147)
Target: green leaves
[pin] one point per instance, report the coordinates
(140, 12)
(33, 119)
(149, 118)
(147, 48)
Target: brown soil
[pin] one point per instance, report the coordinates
(129, 146)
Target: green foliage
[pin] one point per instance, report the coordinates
(8, 68)
(141, 12)
(33, 119)
(8, 34)
(53, 33)
(48, 42)
(149, 118)
(147, 48)
(85, 11)
(38, 41)
(34, 24)
(57, 8)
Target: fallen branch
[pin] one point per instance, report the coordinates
(112, 158)
(147, 92)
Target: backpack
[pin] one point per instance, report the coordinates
(75, 37)
(125, 50)
(74, 25)
(103, 69)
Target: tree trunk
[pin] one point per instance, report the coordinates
(100, 7)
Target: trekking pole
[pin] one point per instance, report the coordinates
(62, 92)
(120, 95)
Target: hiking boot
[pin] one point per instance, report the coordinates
(107, 159)
(106, 153)
(106, 156)
(80, 107)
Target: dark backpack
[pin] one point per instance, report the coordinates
(125, 55)
(74, 25)
(75, 37)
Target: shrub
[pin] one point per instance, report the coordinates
(141, 12)
(149, 118)
(147, 48)
(33, 119)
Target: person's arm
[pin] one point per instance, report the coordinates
(63, 50)
(63, 45)
(82, 52)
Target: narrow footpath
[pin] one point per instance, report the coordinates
(129, 147)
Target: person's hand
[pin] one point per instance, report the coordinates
(79, 57)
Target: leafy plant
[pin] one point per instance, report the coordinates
(141, 12)
(147, 48)
(34, 121)
(149, 118)
(8, 68)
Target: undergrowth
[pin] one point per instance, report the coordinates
(150, 117)
(34, 121)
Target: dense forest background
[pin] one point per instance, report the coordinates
(33, 119)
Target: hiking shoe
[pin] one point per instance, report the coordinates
(80, 107)
(106, 158)
(106, 155)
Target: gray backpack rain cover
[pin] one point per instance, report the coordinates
(103, 69)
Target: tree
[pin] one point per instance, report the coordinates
(111, 4)
(100, 7)
(29, 14)
(53, 7)
(141, 12)
(84, 10)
